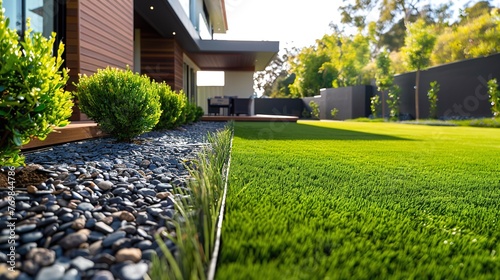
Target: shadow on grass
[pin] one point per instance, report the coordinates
(296, 131)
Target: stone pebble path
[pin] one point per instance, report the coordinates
(96, 214)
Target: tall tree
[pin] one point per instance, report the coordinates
(477, 10)
(475, 37)
(278, 67)
(393, 18)
(417, 50)
(310, 76)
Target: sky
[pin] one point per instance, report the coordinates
(292, 22)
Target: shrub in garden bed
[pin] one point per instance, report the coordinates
(32, 96)
(172, 106)
(124, 104)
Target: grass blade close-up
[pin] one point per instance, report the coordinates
(347, 200)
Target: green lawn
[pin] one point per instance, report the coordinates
(346, 200)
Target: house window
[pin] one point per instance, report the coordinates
(46, 16)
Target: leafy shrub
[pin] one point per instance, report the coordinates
(433, 99)
(171, 106)
(314, 109)
(198, 113)
(334, 112)
(32, 96)
(183, 105)
(124, 104)
(190, 113)
(494, 94)
(393, 102)
(194, 113)
(374, 105)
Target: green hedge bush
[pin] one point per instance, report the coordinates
(124, 104)
(172, 105)
(32, 96)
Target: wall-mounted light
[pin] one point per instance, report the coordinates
(152, 8)
(173, 33)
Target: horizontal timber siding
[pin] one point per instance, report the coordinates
(161, 58)
(106, 34)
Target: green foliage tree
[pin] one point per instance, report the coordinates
(419, 43)
(432, 95)
(494, 93)
(474, 37)
(281, 86)
(337, 60)
(124, 104)
(274, 80)
(310, 77)
(32, 96)
(477, 10)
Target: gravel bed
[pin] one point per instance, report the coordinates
(98, 207)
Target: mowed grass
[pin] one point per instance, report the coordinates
(346, 200)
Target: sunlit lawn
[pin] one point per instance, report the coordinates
(349, 200)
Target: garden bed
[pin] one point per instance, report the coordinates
(98, 204)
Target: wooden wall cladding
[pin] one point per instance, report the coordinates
(98, 34)
(161, 58)
(106, 34)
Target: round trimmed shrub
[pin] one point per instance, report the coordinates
(32, 96)
(171, 106)
(184, 109)
(124, 104)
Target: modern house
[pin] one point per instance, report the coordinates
(168, 40)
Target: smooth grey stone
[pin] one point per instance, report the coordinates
(25, 228)
(154, 211)
(102, 227)
(144, 245)
(98, 215)
(31, 236)
(105, 185)
(68, 217)
(103, 275)
(146, 192)
(162, 187)
(76, 195)
(82, 263)
(85, 206)
(90, 223)
(112, 238)
(133, 271)
(54, 272)
(121, 191)
(22, 205)
(72, 274)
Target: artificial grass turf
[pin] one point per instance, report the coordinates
(345, 200)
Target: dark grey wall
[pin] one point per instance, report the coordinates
(279, 106)
(351, 102)
(463, 88)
